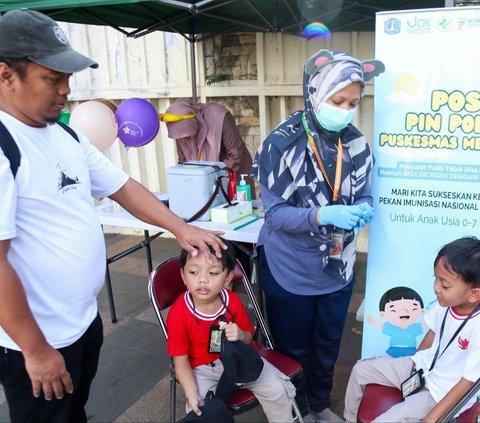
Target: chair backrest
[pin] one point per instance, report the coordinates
(165, 285)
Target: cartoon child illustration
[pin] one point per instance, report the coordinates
(401, 308)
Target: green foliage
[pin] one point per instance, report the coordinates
(213, 79)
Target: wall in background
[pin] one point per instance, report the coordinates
(259, 80)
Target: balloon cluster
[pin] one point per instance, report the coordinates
(135, 122)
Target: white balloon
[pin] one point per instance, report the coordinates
(97, 122)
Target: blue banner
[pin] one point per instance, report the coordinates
(426, 181)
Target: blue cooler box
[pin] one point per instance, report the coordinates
(191, 184)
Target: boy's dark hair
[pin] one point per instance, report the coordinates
(462, 257)
(228, 259)
(399, 293)
(18, 65)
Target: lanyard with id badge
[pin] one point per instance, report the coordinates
(338, 234)
(417, 380)
(217, 334)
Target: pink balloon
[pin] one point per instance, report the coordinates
(97, 122)
(138, 122)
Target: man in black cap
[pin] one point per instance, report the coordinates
(52, 250)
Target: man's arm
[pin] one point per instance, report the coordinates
(448, 401)
(140, 202)
(45, 365)
(187, 380)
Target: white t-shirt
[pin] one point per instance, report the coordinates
(460, 359)
(57, 245)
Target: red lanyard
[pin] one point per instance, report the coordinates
(338, 169)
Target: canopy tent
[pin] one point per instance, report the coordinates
(200, 19)
(212, 17)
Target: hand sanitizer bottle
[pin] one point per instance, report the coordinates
(243, 190)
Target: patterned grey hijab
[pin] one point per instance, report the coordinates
(332, 78)
(286, 165)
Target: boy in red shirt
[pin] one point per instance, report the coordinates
(191, 323)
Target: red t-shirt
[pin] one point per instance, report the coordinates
(189, 329)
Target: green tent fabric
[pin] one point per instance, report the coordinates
(200, 19)
(205, 18)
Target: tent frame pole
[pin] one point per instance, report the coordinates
(194, 68)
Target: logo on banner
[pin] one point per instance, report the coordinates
(468, 22)
(392, 26)
(419, 25)
(444, 24)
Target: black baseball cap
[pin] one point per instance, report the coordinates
(27, 34)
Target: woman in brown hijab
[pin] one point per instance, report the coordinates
(207, 131)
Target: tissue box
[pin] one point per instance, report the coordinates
(228, 214)
(191, 184)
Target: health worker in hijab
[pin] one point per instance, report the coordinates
(207, 131)
(314, 171)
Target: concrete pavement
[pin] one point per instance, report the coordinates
(132, 384)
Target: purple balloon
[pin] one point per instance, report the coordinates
(138, 122)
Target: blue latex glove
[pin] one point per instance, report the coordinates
(366, 217)
(341, 216)
(368, 213)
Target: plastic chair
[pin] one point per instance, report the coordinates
(165, 285)
(378, 398)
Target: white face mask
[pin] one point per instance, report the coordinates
(334, 118)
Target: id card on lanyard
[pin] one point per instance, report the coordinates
(338, 234)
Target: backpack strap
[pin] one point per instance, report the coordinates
(69, 130)
(10, 148)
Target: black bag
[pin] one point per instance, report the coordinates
(241, 364)
(214, 411)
